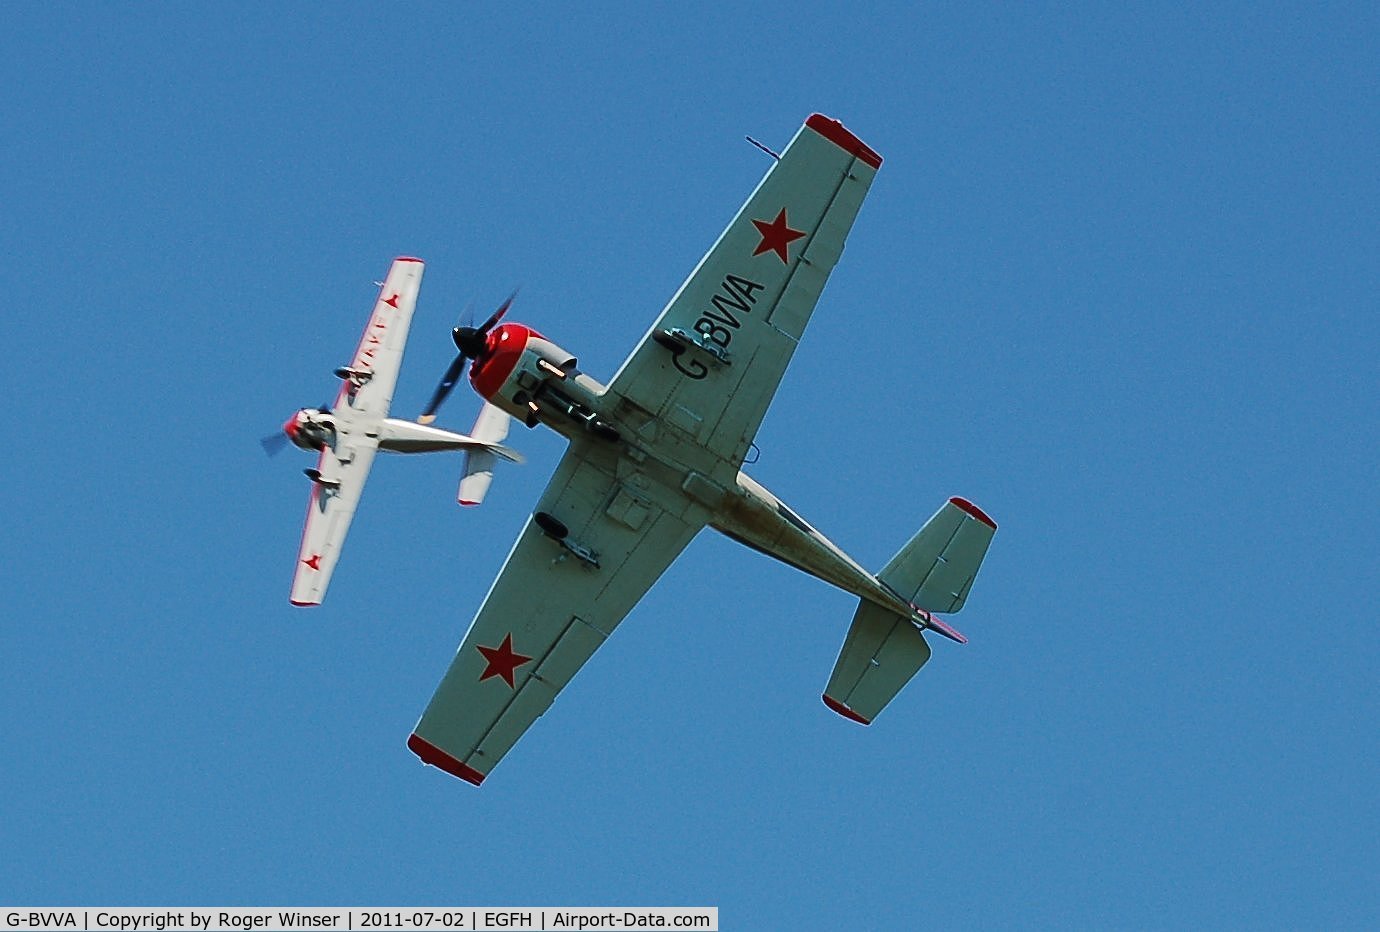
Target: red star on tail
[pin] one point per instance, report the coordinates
(502, 660)
(776, 236)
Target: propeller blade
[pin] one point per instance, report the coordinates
(498, 314)
(470, 342)
(453, 373)
(274, 443)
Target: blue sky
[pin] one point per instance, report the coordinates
(1115, 282)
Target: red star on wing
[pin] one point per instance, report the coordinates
(314, 562)
(776, 236)
(392, 302)
(502, 660)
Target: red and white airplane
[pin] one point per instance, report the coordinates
(657, 454)
(349, 432)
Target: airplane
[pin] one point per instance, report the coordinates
(349, 432)
(656, 455)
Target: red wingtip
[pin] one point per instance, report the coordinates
(304, 604)
(406, 259)
(843, 710)
(464, 502)
(974, 510)
(431, 754)
(835, 132)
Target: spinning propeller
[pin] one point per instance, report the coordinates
(277, 441)
(471, 342)
(274, 443)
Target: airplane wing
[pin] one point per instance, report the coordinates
(711, 363)
(551, 607)
(366, 392)
(329, 512)
(373, 371)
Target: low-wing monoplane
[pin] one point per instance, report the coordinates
(657, 454)
(349, 432)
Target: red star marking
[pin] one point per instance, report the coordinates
(314, 562)
(776, 236)
(502, 660)
(392, 302)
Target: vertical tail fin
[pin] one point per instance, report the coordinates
(478, 472)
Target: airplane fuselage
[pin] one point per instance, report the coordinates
(537, 381)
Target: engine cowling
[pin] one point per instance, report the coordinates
(310, 428)
(523, 373)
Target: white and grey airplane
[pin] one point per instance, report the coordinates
(349, 432)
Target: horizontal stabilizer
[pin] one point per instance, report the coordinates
(880, 655)
(936, 569)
